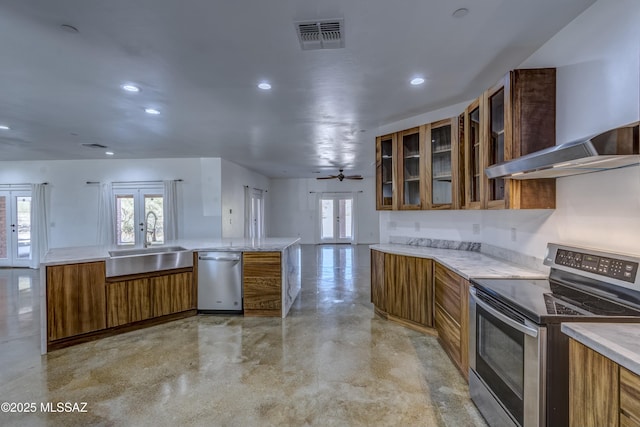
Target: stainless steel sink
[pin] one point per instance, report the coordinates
(124, 262)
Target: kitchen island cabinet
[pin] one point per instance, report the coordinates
(80, 303)
(75, 299)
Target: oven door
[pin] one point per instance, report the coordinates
(506, 363)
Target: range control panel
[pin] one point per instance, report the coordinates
(604, 266)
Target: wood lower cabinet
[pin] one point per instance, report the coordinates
(171, 293)
(601, 392)
(378, 297)
(262, 284)
(402, 288)
(408, 288)
(143, 298)
(452, 316)
(75, 299)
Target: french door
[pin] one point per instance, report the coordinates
(15, 228)
(336, 219)
(139, 216)
(255, 215)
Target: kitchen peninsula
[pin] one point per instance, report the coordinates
(92, 292)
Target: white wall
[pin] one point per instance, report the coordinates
(73, 204)
(234, 179)
(597, 57)
(294, 208)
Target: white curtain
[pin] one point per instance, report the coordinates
(106, 216)
(170, 211)
(247, 212)
(39, 224)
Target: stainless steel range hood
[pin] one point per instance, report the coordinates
(614, 149)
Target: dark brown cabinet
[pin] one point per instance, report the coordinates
(444, 166)
(385, 172)
(378, 297)
(75, 299)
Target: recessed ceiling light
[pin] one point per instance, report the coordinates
(264, 86)
(459, 13)
(4, 127)
(151, 111)
(130, 88)
(109, 153)
(417, 81)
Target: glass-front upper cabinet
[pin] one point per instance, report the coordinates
(411, 173)
(443, 165)
(496, 144)
(385, 171)
(473, 156)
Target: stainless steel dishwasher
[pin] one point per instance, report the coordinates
(220, 282)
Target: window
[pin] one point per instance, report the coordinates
(139, 216)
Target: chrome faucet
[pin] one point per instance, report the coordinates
(147, 242)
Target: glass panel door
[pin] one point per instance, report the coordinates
(475, 161)
(139, 217)
(15, 228)
(336, 219)
(411, 169)
(441, 192)
(496, 142)
(386, 147)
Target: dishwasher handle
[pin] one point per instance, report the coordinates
(207, 258)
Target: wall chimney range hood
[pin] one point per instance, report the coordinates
(613, 149)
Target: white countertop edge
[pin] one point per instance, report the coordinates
(439, 255)
(591, 335)
(73, 255)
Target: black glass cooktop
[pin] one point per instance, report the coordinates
(543, 300)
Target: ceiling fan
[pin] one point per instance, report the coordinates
(340, 176)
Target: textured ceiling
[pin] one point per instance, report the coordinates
(199, 62)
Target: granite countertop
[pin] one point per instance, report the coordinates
(57, 256)
(468, 264)
(619, 342)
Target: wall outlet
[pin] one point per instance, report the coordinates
(475, 228)
(513, 234)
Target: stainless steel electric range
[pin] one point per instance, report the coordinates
(519, 359)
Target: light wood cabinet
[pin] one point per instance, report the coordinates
(75, 299)
(148, 296)
(513, 118)
(629, 398)
(452, 315)
(171, 293)
(444, 187)
(408, 288)
(402, 288)
(378, 297)
(262, 284)
(385, 172)
(411, 170)
(601, 392)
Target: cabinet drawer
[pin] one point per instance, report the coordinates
(449, 333)
(629, 397)
(448, 289)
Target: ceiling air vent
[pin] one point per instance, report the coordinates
(327, 34)
(94, 146)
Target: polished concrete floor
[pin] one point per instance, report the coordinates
(331, 362)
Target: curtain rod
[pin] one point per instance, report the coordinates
(260, 189)
(359, 191)
(21, 185)
(133, 182)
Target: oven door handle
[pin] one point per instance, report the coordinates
(509, 321)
